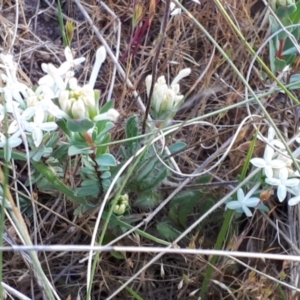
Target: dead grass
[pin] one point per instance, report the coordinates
(38, 40)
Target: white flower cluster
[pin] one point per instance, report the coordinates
(58, 95)
(165, 99)
(279, 172)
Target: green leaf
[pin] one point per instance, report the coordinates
(73, 150)
(154, 180)
(79, 125)
(295, 80)
(107, 126)
(106, 184)
(146, 167)
(295, 15)
(53, 140)
(37, 155)
(204, 179)
(106, 160)
(107, 106)
(132, 131)
(147, 199)
(103, 149)
(167, 231)
(183, 205)
(88, 189)
(132, 292)
(177, 147)
(57, 183)
(61, 153)
(118, 255)
(62, 123)
(105, 175)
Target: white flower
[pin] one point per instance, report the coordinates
(52, 109)
(70, 62)
(294, 200)
(282, 183)
(271, 139)
(268, 163)
(38, 126)
(295, 190)
(110, 115)
(53, 78)
(77, 101)
(243, 202)
(100, 58)
(21, 119)
(165, 98)
(13, 90)
(13, 141)
(174, 11)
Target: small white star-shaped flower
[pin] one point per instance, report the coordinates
(268, 163)
(38, 126)
(243, 202)
(282, 183)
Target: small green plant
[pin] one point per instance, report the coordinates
(282, 49)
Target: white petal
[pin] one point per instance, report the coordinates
(176, 11)
(294, 201)
(283, 174)
(46, 80)
(39, 116)
(68, 54)
(28, 113)
(258, 162)
(161, 80)
(73, 83)
(268, 154)
(78, 109)
(271, 133)
(281, 192)
(252, 202)
(247, 211)
(240, 195)
(100, 58)
(64, 68)
(44, 67)
(292, 182)
(268, 171)
(37, 136)
(48, 126)
(78, 61)
(277, 163)
(14, 142)
(183, 73)
(233, 205)
(273, 181)
(278, 144)
(148, 82)
(13, 127)
(295, 190)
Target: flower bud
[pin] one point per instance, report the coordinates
(64, 101)
(111, 115)
(122, 205)
(78, 109)
(165, 99)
